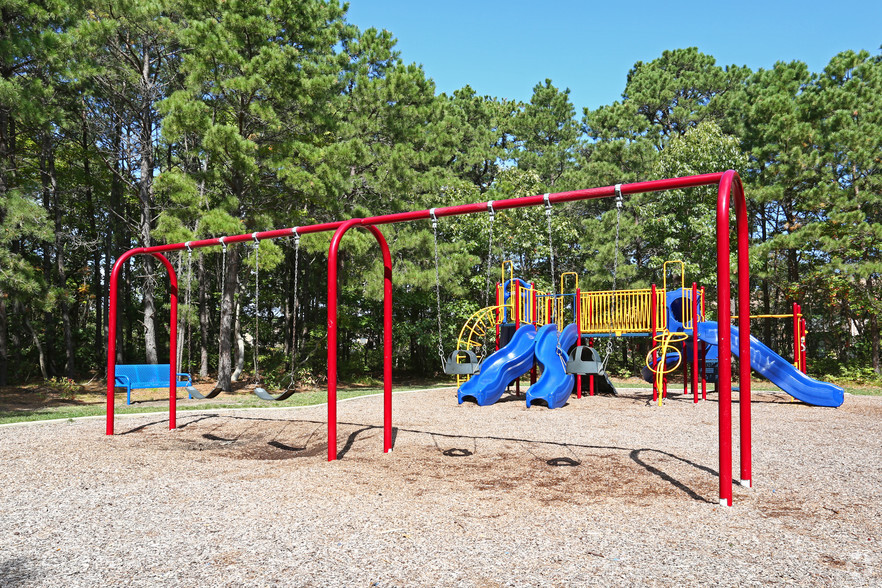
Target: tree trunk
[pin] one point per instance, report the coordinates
(203, 317)
(225, 363)
(4, 341)
(240, 342)
(145, 197)
(50, 187)
(97, 289)
(22, 312)
(4, 153)
(116, 243)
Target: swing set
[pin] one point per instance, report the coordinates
(728, 185)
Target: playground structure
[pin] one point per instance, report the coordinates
(557, 330)
(728, 184)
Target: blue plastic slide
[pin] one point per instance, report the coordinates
(554, 385)
(778, 370)
(510, 362)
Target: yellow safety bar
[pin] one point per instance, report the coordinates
(473, 332)
(664, 340)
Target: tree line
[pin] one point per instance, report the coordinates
(134, 123)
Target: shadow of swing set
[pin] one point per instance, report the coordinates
(729, 189)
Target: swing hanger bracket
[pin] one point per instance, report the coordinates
(296, 235)
(490, 210)
(254, 236)
(547, 199)
(434, 218)
(221, 241)
(619, 199)
(188, 248)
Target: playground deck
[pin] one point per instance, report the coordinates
(608, 491)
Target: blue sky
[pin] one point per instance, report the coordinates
(504, 48)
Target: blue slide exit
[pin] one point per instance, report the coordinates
(554, 385)
(508, 363)
(778, 370)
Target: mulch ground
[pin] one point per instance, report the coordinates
(604, 491)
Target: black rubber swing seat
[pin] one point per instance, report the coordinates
(454, 365)
(194, 393)
(584, 360)
(264, 395)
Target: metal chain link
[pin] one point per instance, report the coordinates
(223, 287)
(256, 308)
(560, 352)
(492, 214)
(294, 325)
(489, 271)
(619, 202)
(437, 287)
(189, 282)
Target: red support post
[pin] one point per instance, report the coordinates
(695, 359)
(704, 350)
(517, 319)
(797, 355)
(332, 335)
(173, 336)
(535, 321)
(729, 182)
(654, 324)
(802, 344)
(579, 339)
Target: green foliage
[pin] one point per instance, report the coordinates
(132, 122)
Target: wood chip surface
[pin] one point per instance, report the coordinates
(606, 491)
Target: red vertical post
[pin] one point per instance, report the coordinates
(517, 310)
(654, 321)
(173, 337)
(695, 359)
(704, 350)
(535, 320)
(729, 182)
(332, 335)
(579, 339)
(802, 344)
(796, 353)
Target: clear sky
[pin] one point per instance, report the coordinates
(505, 47)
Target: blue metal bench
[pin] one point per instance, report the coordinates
(143, 376)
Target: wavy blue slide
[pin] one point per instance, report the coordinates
(510, 362)
(554, 385)
(778, 370)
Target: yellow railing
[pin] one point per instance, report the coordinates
(620, 312)
(478, 332)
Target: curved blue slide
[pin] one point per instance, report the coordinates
(554, 385)
(510, 362)
(778, 370)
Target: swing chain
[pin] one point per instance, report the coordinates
(256, 307)
(560, 352)
(187, 302)
(296, 274)
(492, 214)
(437, 286)
(619, 203)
